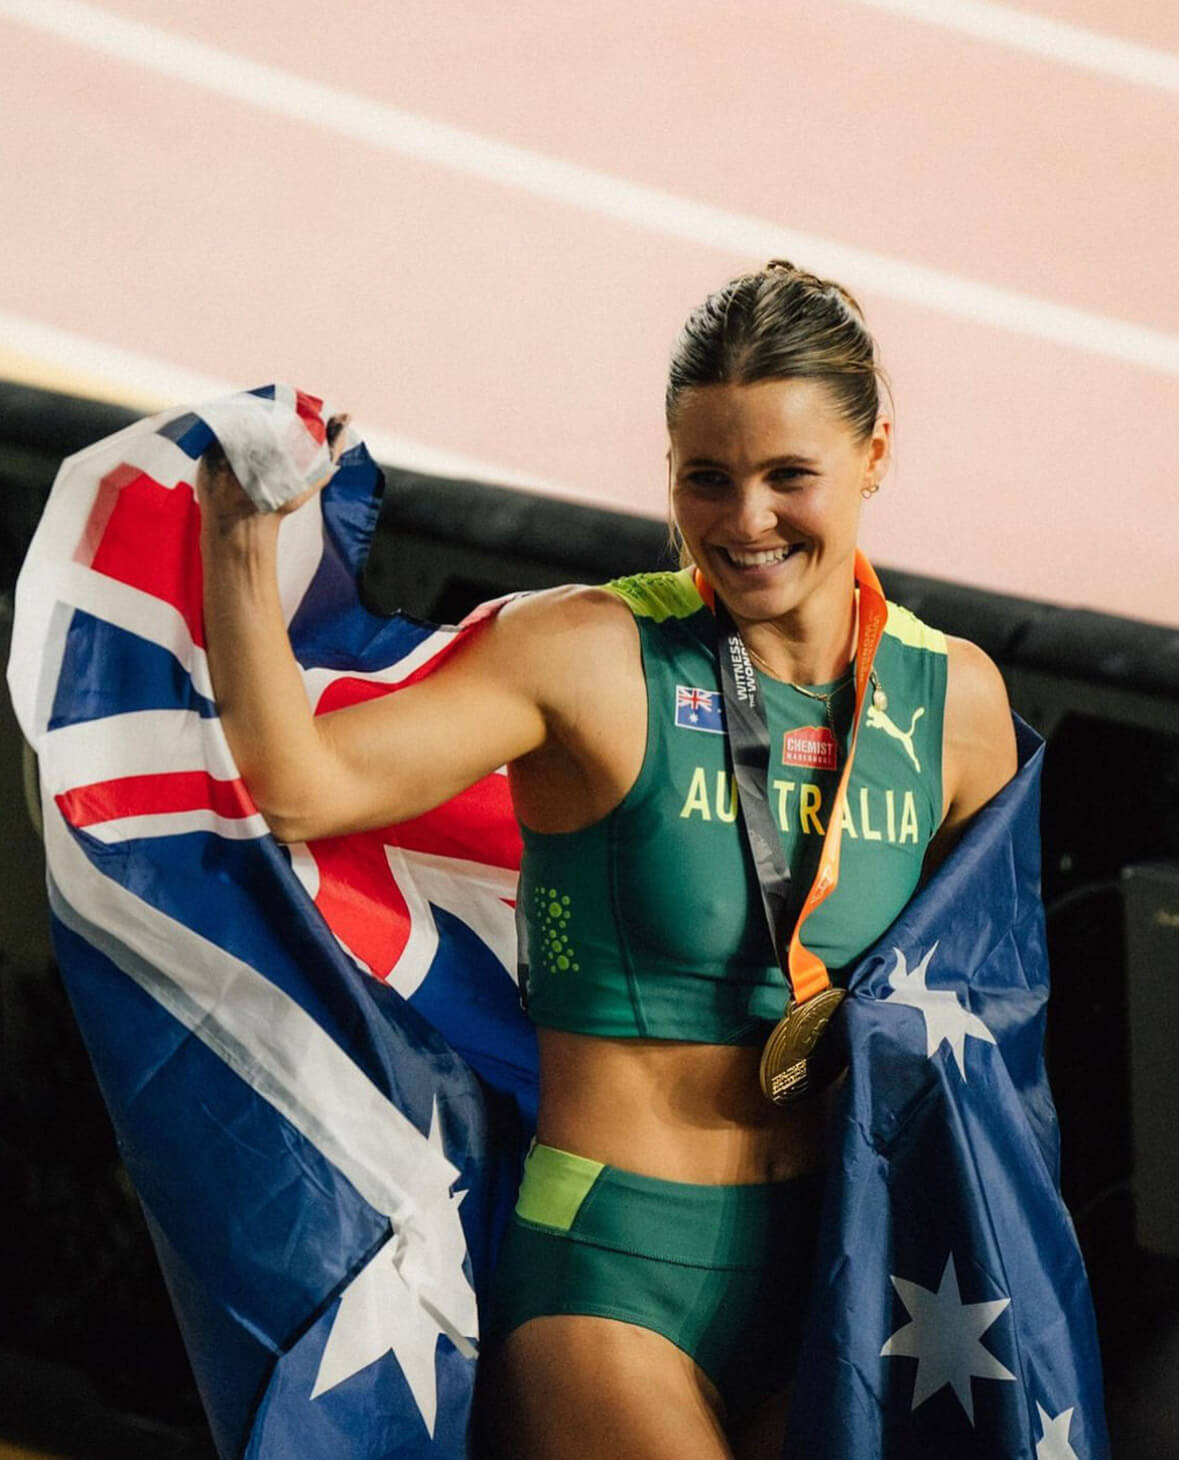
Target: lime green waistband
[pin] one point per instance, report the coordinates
(674, 1221)
(555, 1185)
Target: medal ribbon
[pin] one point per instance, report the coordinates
(749, 747)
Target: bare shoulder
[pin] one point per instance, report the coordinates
(975, 693)
(561, 636)
(534, 652)
(579, 650)
(574, 607)
(979, 756)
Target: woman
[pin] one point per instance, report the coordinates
(666, 1197)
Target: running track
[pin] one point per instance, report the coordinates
(478, 227)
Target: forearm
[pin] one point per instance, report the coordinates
(259, 690)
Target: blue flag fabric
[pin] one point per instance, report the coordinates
(951, 1313)
(322, 1082)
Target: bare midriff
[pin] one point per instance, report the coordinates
(673, 1110)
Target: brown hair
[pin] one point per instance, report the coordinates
(780, 324)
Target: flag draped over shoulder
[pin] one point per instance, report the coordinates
(951, 1313)
(321, 1078)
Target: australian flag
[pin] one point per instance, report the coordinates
(699, 709)
(314, 1056)
(318, 1069)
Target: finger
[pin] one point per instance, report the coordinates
(212, 469)
(220, 494)
(335, 434)
(214, 473)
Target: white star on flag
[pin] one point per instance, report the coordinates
(1055, 1444)
(943, 1336)
(411, 1290)
(945, 1018)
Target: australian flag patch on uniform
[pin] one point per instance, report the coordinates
(699, 709)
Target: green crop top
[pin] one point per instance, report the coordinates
(648, 924)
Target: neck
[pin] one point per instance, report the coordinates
(813, 644)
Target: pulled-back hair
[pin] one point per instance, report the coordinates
(780, 324)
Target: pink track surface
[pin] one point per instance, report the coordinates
(148, 214)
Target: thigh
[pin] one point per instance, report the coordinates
(597, 1388)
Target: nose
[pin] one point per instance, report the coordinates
(754, 511)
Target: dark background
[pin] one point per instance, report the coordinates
(90, 1361)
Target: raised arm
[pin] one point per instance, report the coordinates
(382, 761)
(978, 756)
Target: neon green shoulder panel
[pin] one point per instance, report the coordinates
(658, 596)
(907, 627)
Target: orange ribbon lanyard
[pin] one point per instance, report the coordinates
(806, 970)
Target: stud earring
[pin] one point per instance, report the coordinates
(870, 490)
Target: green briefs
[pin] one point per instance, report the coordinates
(721, 1271)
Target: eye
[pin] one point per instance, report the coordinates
(790, 475)
(708, 478)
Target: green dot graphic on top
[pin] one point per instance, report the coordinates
(550, 923)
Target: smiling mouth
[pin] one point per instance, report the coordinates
(766, 559)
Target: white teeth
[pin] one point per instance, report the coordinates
(759, 560)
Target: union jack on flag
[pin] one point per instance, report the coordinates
(318, 1067)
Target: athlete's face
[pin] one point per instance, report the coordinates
(766, 485)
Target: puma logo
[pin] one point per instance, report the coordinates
(878, 720)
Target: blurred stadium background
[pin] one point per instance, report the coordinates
(478, 229)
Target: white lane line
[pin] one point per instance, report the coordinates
(569, 185)
(1038, 35)
(143, 382)
(61, 360)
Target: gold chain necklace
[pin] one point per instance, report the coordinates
(879, 698)
(824, 700)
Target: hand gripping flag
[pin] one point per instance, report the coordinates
(314, 1057)
(322, 1082)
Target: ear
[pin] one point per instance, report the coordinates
(879, 449)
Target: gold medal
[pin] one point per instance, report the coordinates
(803, 1054)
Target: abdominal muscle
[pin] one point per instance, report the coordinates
(673, 1110)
